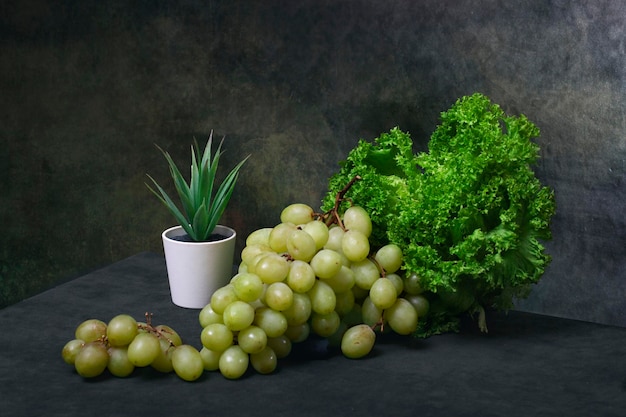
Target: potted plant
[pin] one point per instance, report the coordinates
(198, 252)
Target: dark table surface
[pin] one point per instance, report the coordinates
(527, 365)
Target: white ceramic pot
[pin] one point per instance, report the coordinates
(196, 269)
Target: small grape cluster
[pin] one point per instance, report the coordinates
(310, 273)
(123, 344)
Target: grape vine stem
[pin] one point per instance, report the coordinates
(150, 328)
(332, 216)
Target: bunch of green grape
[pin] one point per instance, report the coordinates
(308, 274)
(123, 344)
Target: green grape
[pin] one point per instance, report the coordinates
(325, 325)
(297, 213)
(355, 245)
(356, 218)
(299, 311)
(163, 361)
(265, 361)
(343, 280)
(335, 236)
(412, 284)
(278, 296)
(318, 231)
(365, 273)
(300, 245)
(238, 315)
(210, 359)
(344, 261)
(119, 365)
(216, 337)
(222, 298)
(389, 257)
(252, 339)
(121, 330)
(248, 287)
(278, 236)
(354, 316)
(187, 362)
(169, 334)
(334, 340)
(299, 333)
(271, 321)
(272, 268)
(208, 316)
(71, 349)
(144, 349)
(251, 266)
(281, 345)
(250, 252)
(323, 298)
(359, 293)
(420, 303)
(402, 317)
(383, 293)
(300, 277)
(91, 330)
(371, 314)
(234, 362)
(259, 237)
(344, 302)
(92, 359)
(397, 281)
(358, 341)
(260, 302)
(326, 263)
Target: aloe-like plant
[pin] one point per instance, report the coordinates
(203, 202)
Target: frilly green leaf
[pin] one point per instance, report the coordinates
(469, 214)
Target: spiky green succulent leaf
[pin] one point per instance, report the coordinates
(203, 204)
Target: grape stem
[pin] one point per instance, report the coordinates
(382, 271)
(150, 328)
(332, 216)
(380, 323)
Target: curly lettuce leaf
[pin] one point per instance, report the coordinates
(469, 214)
(479, 210)
(384, 167)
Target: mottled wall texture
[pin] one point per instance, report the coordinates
(88, 87)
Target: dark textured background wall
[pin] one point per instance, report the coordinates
(88, 87)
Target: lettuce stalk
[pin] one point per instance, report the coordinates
(469, 214)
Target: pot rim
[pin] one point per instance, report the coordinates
(173, 231)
